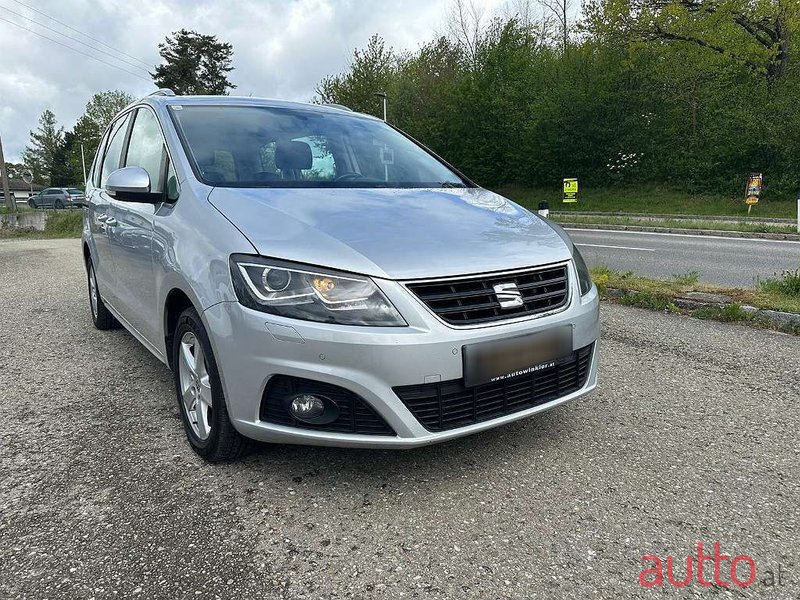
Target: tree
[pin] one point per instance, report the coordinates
(755, 33)
(15, 170)
(43, 151)
(560, 10)
(194, 64)
(371, 70)
(90, 127)
(690, 94)
(466, 28)
(62, 175)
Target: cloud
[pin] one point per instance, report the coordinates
(281, 48)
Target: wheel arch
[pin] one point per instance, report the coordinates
(176, 302)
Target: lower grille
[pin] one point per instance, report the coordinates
(449, 405)
(355, 415)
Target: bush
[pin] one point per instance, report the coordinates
(788, 284)
(64, 224)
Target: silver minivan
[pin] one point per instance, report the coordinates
(313, 275)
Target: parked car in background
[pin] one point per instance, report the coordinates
(57, 198)
(314, 276)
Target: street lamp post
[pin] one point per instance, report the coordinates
(83, 161)
(382, 96)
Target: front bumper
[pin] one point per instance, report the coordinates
(250, 347)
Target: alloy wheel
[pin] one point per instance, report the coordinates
(93, 292)
(195, 385)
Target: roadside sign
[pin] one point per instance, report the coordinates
(27, 176)
(753, 192)
(570, 189)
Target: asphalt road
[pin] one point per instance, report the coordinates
(734, 262)
(692, 435)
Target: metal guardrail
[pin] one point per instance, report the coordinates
(677, 217)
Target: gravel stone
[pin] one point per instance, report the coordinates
(691, 435)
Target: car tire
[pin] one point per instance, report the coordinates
(58, 204)
(32, 204)
(101, 316)
(198, 388)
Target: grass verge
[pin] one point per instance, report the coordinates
(781, 293)
(652, 200)
(61, 224)
(676, 224)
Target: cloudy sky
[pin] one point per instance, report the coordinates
(282, 48)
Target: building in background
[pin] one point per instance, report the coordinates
(21, 190)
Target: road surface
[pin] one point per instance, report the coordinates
(733, 262)
(692, 435)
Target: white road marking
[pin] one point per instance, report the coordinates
(688, 235)
(616, 247)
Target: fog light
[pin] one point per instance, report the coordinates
(311, 408)
(306, 407)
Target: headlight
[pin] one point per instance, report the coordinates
(310, 293)
(584, 277)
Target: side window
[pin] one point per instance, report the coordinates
(94, 172)
(114, 151)
(323, 165)
(173, 187)
(146, 148)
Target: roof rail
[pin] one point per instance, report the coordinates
(162, 92)
(339, 106)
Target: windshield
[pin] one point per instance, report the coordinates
(254, 146)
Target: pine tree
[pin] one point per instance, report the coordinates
(44, 149)
(194, 64)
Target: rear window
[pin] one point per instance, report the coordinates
(256, 146)
(75, 192)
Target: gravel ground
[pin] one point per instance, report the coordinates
(692, 435)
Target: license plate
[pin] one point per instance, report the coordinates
(489, 362)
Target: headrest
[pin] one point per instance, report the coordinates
(292, 156)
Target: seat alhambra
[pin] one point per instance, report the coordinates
(313, 275)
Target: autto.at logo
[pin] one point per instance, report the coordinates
(714, 569)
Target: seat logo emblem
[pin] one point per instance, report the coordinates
(508, 295)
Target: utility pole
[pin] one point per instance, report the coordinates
(10, 202)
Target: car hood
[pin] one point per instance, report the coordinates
(392, 233)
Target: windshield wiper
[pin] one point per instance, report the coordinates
(451, 184)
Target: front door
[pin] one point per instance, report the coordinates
(131, 238)
(99, 203)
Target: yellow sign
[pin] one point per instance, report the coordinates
(753, 192)
(570, 189)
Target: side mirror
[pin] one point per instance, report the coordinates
(132, 184)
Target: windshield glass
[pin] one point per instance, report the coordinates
(255, 146)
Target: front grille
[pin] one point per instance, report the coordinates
(449, 404)
(355, 415)
(472, 300)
